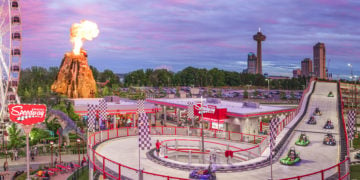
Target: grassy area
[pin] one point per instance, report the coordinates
(355, 172)
(83, 174)
(356, 143)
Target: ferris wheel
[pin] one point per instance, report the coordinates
(10, 53)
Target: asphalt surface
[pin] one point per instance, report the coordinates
(316, 156)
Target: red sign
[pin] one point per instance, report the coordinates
(27, 114)
(219, 114)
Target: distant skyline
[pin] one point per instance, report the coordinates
(140, 34)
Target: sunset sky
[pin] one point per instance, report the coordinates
(138, 34)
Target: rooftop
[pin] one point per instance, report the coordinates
(233, 108)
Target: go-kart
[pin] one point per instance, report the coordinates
(328, 125)
(203, 174)
(311, 120)
(329, 140)
(291, 159)
(303, 140)
(357, 155)
(330, 94)
(317, 112)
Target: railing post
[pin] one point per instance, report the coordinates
(108, 133)
(93, 152)
(339, 171)
(322, 175)
(119, 171)
(215, 133)
(242, 137)
(127, 130)
(254, 139)
(190, 157)
(117, 132)
(162, 130)
(229, 135)
(104, 174)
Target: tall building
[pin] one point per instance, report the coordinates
(319, 60)
(251, 63)
(258, 37)
(306, 67)
(296, 73)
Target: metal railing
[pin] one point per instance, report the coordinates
(340, 170)
(115, 170)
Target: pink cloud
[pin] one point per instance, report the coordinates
(124, 48)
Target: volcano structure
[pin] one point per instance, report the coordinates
(75, 78)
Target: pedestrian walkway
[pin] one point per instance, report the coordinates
(20, 165)
(42, 160)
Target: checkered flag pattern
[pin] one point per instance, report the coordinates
(190, 110)
(102, 110)
(351, 124)
(91, 117)
(143, 124)
(24, 117)
(273, 131)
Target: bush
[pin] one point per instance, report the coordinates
(355, 171)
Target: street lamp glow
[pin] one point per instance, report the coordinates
(350, 65)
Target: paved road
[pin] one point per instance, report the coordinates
(314, 157)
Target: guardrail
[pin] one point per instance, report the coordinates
(333, 171)
(285, 121)
(340, 170)
(115, 170)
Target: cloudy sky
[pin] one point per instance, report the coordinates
(201, 33)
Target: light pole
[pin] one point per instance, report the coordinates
(78, 145)
(268, 80)
(352, 79)
(203, 110)
(83, 146)
(51, 147)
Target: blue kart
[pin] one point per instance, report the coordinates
(202, 174)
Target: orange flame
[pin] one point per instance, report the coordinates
(86, 30)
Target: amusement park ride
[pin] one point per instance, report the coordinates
(10, 56)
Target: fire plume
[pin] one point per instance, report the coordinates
(79, 32)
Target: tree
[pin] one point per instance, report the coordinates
(14, 136)
(95, 72)
(282, 95)
(246, 94)
(52, 125)
(37, 134)
(106, 91)
(108, 75)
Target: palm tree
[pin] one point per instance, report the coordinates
(14, 136)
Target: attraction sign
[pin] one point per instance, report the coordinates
(27, 114)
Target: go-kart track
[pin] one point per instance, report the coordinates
(314, 157)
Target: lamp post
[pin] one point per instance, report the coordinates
(51, 148)
(268, 80)
(203, 110)
(83, 149)
(78, 145)
(352, 79)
